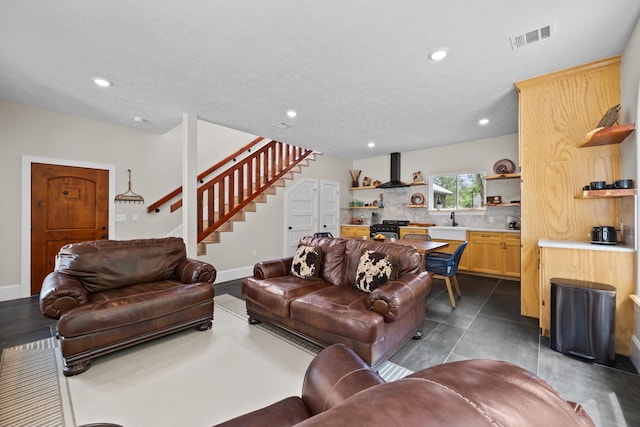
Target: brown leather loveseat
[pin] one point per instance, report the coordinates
(109, 295)
(318, 300)
(339, 389)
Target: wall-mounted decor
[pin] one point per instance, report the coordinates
(129, 196)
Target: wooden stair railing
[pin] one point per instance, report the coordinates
(229, 192)
(154, 207)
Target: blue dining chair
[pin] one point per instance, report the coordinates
(444, 266)
(323, 234)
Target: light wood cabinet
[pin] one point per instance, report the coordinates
(511, 254)
(494, 253)
(556, 111)
(351, 231)
(611, 267)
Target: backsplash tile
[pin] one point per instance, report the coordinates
(395, 202)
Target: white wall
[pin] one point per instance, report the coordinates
(155, 161)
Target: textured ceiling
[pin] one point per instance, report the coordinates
(355, 71)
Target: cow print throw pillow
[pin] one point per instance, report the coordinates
(375, 269)
(307, 262)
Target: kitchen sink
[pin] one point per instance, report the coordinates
(448, 232)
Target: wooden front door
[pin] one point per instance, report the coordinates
(68, 204)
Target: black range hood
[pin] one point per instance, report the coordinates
(395, 174)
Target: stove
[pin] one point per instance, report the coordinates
(388, 226)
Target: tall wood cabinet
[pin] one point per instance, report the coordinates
(556, 111)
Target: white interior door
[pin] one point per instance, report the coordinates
(329, 208)
(301, 201)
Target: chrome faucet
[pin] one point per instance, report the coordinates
(453, 219)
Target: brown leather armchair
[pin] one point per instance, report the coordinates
(340, 389)
(110, 295)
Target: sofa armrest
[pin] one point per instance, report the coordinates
(396, 297)
(286, 412)
(60, 293)
(334, 375)
(274, 268)
(193, 271)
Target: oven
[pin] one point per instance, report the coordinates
(388, 226)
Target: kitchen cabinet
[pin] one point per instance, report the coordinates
(583, 261)
(556, 110)
(354, 231)
(494, 253)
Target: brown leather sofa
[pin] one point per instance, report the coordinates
(339, 389)
(329, 309)
(109, 295)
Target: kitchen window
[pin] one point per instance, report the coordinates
(457, 191)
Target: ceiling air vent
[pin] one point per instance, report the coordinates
(521, 40)
(282, 125)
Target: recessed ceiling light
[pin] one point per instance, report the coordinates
(483, 122)
(371, 144)
(291, 114)
(139, 119)
(438, 54)
(102, 82)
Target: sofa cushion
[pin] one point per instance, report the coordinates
(333, 257)
(307, 262)
(341, 311)
(375, 269)
(276, 294)
(110, 264)
(409, 260)
(117, 308)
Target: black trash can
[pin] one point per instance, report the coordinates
(583, 319)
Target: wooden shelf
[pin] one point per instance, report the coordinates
(369, 187)
(364, 207)
(503, 176)
(501, 205)
(416, 206)
(604, 194)
(607, 135)
(373, 187)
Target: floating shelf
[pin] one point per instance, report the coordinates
(607, 135)
(603, 194)
(369, 187)
(501, 205)
(416, 206)
(364, 207)
(503, 176)
(372, 187)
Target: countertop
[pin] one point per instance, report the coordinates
(571, 244)
(498, 230)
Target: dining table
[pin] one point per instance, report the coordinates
(424, 247)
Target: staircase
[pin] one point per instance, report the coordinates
(238, 189)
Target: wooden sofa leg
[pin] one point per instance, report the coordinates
(204, 326)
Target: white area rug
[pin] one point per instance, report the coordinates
(190, 378)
